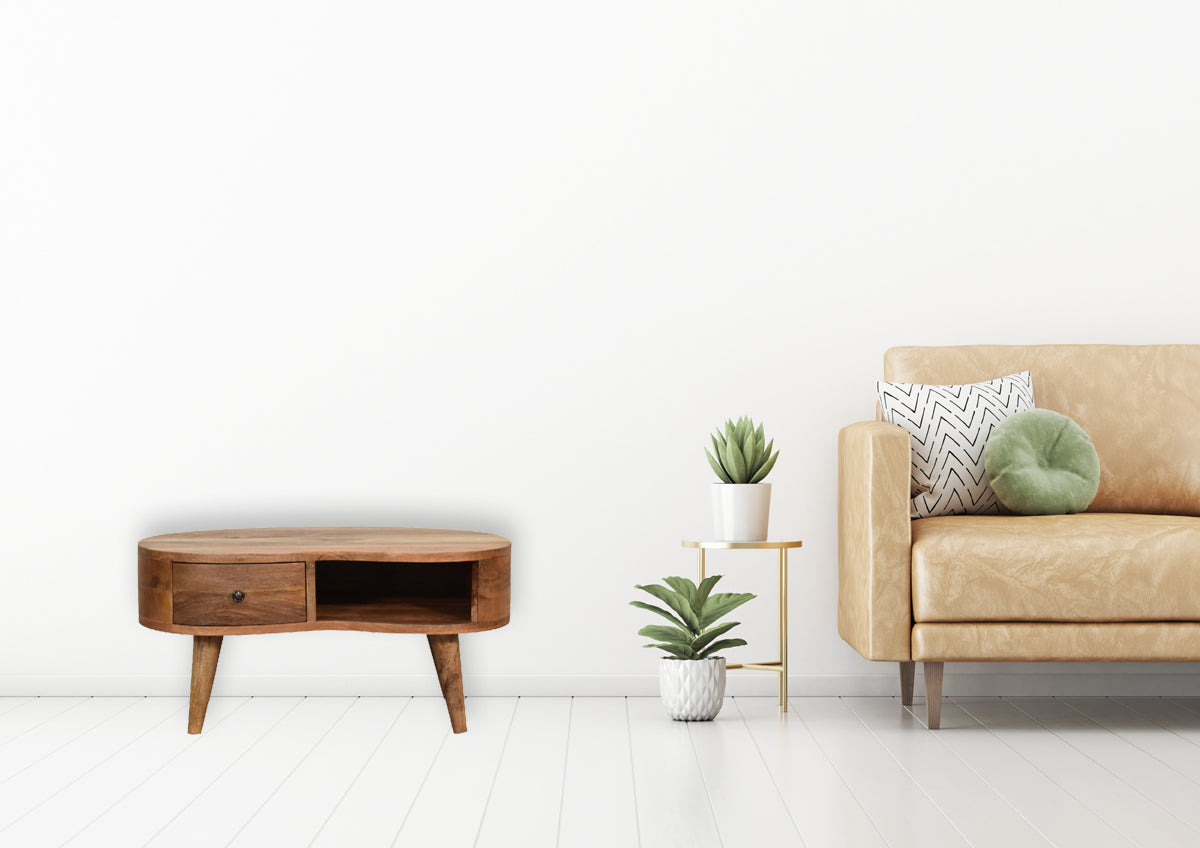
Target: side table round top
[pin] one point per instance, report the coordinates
(709, 544)
(408, 544)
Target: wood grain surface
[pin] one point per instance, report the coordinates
(400, 610)
(447, 661)
(272, 593)
(202, 606)
(933, 694)
(277, 580)
(154, 588)
(380, 544)
(907, 676)
(206, 650)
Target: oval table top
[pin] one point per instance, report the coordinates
(402, 544)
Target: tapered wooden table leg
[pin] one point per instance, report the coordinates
(449, 672)
(205, 651)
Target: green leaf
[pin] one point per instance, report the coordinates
(660, 611)
(681, 651)
(722, 604)
(684, 587)
(748, 447)
(758, 435)
(673, 635)
(723, 456)
(677, 603)
(716, 466)
(708, 635)
(766, 469)
(702, 592)
(735, 464)
(720, 646)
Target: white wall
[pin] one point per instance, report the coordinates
(504, 266)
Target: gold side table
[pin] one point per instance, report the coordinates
(778, 666)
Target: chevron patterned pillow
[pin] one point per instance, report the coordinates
(950, 426)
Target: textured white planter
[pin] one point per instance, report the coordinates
(740, 511)
(692, 690)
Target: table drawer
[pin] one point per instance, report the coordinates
(209, 593)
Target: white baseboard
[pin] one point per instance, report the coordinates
(747, 684)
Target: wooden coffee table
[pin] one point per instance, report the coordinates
(219, 583)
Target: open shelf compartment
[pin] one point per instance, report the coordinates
(394, 592)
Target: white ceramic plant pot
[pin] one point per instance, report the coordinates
(740, 511)
(692, 690)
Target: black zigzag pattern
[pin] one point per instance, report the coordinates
(950, 426)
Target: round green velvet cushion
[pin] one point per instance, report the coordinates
(1041, 463)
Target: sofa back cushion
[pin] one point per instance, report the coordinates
(1139, 404)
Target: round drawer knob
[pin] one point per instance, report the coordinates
(238, 596)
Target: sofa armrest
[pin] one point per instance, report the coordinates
(875, 540)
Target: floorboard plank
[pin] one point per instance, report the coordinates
(1093, 773)
(1189, 704)
(598, 777)
(1056, 813)
(81, 800)
(449, 808)
(51, 736)
(142, 812)
(899, 807)
(1145, 774)
(1103, 793)
(672, 800)
(381, 794)
(746, 804)
(983, 816)
(822, 806)
(40, 780)
(1142, 732)
(11, 702)
(525, 799)
(295, 812)
(222, 809)
(1167, 714)
(32, 714)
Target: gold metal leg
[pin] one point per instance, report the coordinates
(779, 666)
(783, 623)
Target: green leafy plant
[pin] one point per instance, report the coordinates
(693, 612)
(742, 453)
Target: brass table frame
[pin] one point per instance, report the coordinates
(780, 665)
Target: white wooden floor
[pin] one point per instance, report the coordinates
(611, 772)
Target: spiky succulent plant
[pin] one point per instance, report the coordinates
(742, 453)
(693, 612)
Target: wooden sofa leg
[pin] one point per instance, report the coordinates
(908, 671)
(933, 695)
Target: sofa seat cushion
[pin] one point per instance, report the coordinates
(1092, 567)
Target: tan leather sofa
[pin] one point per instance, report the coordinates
(1119, 582)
